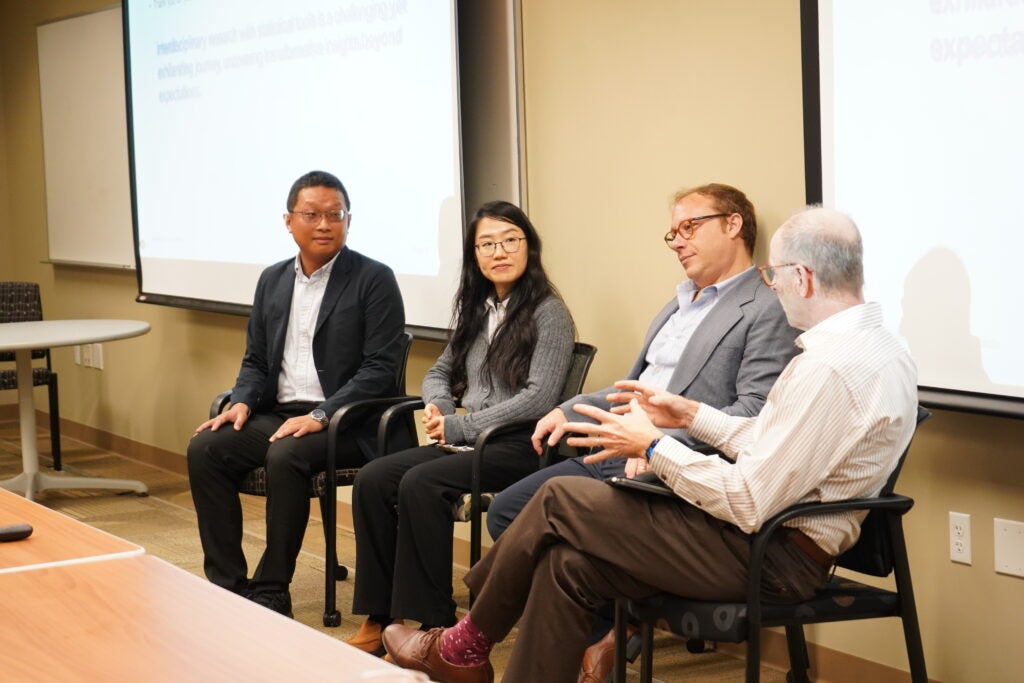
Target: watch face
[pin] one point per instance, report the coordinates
(320, 416)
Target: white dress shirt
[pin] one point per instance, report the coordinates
(833, 427)
(299, 380)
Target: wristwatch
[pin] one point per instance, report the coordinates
(321, 417)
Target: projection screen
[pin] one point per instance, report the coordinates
(912, 120)
(230, 102)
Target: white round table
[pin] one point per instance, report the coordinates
(42, 334)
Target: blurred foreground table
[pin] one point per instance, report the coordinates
(142, 619)
(56, 538)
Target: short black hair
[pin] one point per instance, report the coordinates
(316, 179)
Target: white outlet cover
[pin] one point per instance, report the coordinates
(1009, 545)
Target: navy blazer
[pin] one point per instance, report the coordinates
(357, 345)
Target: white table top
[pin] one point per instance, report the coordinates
(48, 333)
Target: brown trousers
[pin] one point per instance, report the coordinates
(581, 543)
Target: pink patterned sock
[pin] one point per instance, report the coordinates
(465, 644)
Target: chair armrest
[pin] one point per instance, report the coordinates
(340, 421)
(400, 405)
(222, 399)
(895, 504)
(478, 452)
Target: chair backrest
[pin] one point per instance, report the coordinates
(582, 357)
(400, 370)
(872, 553)
(20, 302)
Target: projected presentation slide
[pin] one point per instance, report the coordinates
(922, 111)
(231, 102)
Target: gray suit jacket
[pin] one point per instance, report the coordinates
(733, 359)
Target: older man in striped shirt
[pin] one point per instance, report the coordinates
(832, 428)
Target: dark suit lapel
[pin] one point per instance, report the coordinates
(711, 331)
(336, 285)
(279, 309)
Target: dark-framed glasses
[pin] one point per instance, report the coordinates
(314, 217)
(509, 245)
(686, 228)
(768, 273)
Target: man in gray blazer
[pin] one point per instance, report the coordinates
(327, 328)
(724, 339)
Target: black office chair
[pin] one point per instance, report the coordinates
(471, 505)
(20, 302)
(880, 550)
(324, 485)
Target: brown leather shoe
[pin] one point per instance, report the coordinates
(415, 649)
(368, 639)
(599, 659)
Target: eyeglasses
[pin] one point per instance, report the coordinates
(314, 217)
(509, 245)
(768, 272)
(686, 228)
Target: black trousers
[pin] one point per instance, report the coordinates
(402, 512)
(218, 462)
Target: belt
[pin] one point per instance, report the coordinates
(810, 548)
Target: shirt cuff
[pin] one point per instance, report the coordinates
(708, 424)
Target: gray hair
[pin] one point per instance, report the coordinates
(828, 242)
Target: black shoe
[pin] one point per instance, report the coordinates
(278, 601)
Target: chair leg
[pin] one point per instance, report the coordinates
(799, 662)
(647, 653)
(332, 617)
(54, 421)
(619, 671)
(753, 655)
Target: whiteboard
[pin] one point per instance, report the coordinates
(85, 149)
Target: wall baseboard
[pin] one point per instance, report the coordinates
(827, 665)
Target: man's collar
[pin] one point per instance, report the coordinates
(861, 316)
(325, 269)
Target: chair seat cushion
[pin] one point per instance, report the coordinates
(9, 378)
(461, 508)
(255, 483)
(840, 599)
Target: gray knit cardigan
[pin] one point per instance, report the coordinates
(494, 402)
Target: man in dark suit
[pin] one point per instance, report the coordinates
(326, 328)
(724, 338)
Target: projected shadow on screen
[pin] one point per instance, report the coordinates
(937, 324)
(428, 298)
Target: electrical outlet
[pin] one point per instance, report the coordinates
(78, 354)
(1009, 546)
(960, 537)
(87, 355)
(97, 356)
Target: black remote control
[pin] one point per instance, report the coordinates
(15, 532)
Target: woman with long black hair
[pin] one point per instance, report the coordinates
(509, 352)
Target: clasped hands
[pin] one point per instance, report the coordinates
(433, 422)
(629, 428)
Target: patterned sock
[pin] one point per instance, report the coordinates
(465, 644)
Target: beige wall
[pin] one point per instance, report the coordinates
(625, 102)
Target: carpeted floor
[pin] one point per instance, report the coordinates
(164, 524)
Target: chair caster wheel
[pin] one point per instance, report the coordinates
(332, 618)
(696, 646)
(340, 572)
